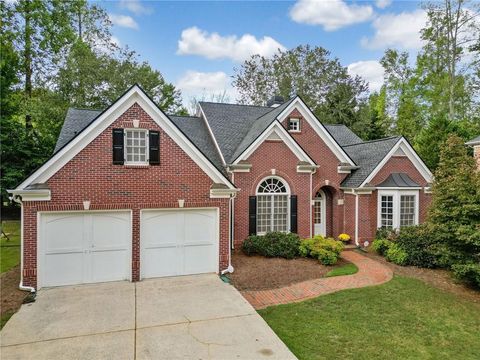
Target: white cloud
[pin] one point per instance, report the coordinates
(123, 21)
(382, 4)
(135, 6)
(332, 14)
(195, 41)
(371, 70)
(399, 30)
(205, 84)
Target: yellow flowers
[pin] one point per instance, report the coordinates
(344, 237)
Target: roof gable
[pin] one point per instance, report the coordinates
(276, 131)
(134, 95)
(319, 128)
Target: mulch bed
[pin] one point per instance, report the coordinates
(12, 298)
(439, 278)
(260, 273)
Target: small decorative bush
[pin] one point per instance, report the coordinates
(384, 233)
(470, 273)
(274, 244)
(420, 243)
(396, 255)
(326, 250)
(381, 246)
(344, 237)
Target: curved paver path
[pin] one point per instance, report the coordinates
(370, 272)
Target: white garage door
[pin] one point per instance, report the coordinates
(178, 242)
(76, 248)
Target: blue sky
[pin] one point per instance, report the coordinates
(197, 44)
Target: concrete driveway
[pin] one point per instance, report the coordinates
(190, 317)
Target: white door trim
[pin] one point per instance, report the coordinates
(323, 226)
(40, 278)
(217, 232)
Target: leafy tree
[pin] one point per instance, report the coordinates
(322, 82)
(378, 124)
(455, 207)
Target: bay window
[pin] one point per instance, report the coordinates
(397, 208)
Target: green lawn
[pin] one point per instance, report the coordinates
(10, 250)
(347, 269)
(402, 319)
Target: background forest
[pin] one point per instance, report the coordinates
(57, 54)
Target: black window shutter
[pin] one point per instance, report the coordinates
(118, 157)
(293, 214)
(154, 148)
(252, 215)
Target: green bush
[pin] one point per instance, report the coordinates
(386, 234)
(274, 244)
(326, 250)
(420, 243)
(396, 255)
(469, 273)
(381, 246)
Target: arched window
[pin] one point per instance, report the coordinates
(272, 205)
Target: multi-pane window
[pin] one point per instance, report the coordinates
(136, 145)
(294, 124)
(272, 206)
(407, 210)
(386, 211)
(397, 208)
(317, 212)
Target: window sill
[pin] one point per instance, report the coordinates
(136, 166)
(295, 131)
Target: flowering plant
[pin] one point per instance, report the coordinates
(344, 237)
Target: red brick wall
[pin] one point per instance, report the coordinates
(323, 156)
(90, 175)
(368, 203)
(271, 155)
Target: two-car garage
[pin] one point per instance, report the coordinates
(96, 246)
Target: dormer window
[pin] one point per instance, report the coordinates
(294, 125)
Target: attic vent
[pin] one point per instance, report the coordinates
(399, 152)
(275, 101)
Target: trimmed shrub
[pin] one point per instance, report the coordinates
(326, 250)
(388, 234)
(274, 244)
(419, 242)
(470, 273)
(381, 246)
(396, 255)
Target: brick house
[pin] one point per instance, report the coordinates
(133, 193)
(475, 143)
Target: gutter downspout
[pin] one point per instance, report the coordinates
(230, 268)
(21, 286)
(310, 200)
(356, 220)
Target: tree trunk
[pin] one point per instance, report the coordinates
(28, 63)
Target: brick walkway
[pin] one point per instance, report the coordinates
(370, 272)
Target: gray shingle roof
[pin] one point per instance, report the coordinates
(257, 128)
(75, 121)
(367, 155)
(474, 141)
(196, 130)
(398, 180)
(235, 127)
(230, 123)
(342, 134)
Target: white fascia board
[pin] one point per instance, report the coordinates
(32, 195)
(134, 95)
(284, 136)
(202, 113)
(412, 156)
(318, 127)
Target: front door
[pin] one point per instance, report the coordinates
(319, 213)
